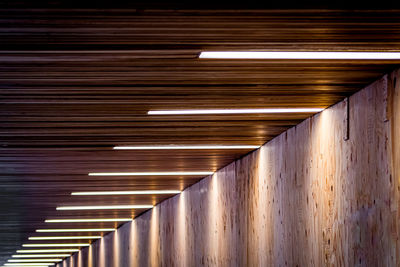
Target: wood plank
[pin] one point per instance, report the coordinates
(75, 81)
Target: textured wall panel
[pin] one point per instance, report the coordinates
(307, 198)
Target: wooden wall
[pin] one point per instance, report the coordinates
(307, 198)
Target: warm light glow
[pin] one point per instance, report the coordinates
(176, 147)
(233, 111)
(181, 240)
(90, 256)
(147, 173)
(75, 230)
(36, 260)
(116, 249)
(87, 220)
(63, 237)
(41, 255)
(154, 237)
(47, 250)
(111, 207)
(298, 55)
(136, 192)
(57, 245)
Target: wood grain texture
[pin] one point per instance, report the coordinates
(306, 198)
(74, 82)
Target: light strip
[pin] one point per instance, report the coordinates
(75, 230)
(36, 260)
(146, 173)
(29, 264)
(47, 250)
(298, 55)
(41, 255)
(180, 147)
(56, 245)
(233, 111)
(111, 207)
(62, 237)
(137, 192)
(87, 220)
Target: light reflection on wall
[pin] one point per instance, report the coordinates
(324, 143)
(261, 215)
(181, 242)
(71, 261)
(90, 256)
(154, 237)
(102, 253)
(116, 250)
(323, 123)
(80, 263)
(212, 253)
(133, 255)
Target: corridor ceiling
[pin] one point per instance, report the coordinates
(75, 82)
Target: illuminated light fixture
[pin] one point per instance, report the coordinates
(30, 264)
(47, 250)
(147, 173)
(111, 207)
(176, 147)
(137, 192)
(87, 220)
(41, 255)
(56, 245)
(299, 55)
(36, 260)
(63, 237)
(41, 264)
(233, 111)
(75, 230)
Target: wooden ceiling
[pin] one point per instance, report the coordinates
(76, 82)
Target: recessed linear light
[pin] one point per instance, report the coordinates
(40, 255)
(56, 245)
(41, 264)
(37, 264)
(136, 192)
(47, 250)
(36, 260)
(176, 147)
(87, 220)
(298, 55)
(63, 237)
(147, 173)
(111, 207)
(233, 111)
(75, 230)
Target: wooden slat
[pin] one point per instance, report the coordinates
(74, 82)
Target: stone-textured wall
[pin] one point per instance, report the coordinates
(307, 198)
